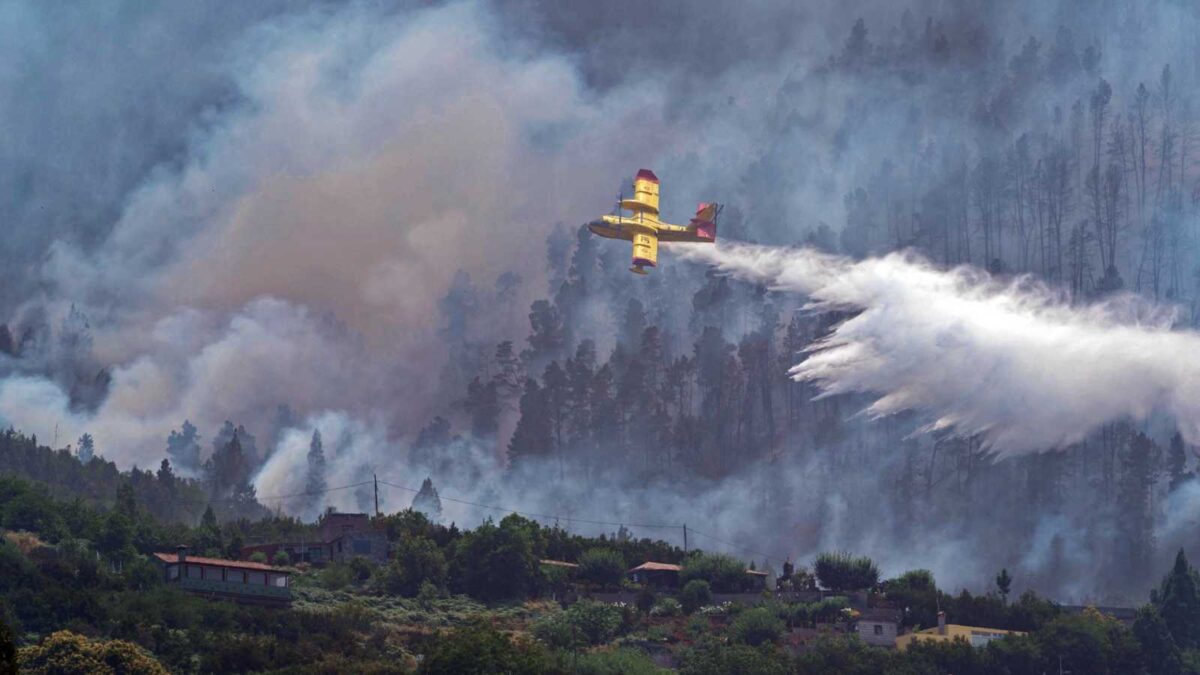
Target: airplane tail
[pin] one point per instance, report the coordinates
(705, 220)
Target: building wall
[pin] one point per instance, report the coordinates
(372, 545)
(879, 633)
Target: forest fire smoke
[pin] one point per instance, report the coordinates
(1008, 360)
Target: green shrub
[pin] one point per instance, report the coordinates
(724, 574)
(596, 622)
(480, 649)
(645, 600)
(556, 632)
(418, 560)
(694, 595)
(585, 622)
(697, 626)
(616, 662)
(710, 657)
(829, 609)
(496, 562)
(667, 607)
(427, 594)
(281, 558)
(602, 566)
(258, 557)
(67, 652)
(844, 572)
(335, 577)
(756, 626)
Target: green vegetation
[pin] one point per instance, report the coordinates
(694, 595)
(723, 573)
(756, 626)
(78, 588)
(844, 572)
(66, 652)
(602, 566)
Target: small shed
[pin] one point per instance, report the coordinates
(879, 626)
(655, 574)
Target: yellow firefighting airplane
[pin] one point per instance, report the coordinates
(644, 228)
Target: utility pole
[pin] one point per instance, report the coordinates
(376, 479)
(685, 539)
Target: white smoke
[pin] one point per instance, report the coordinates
(1008, 360)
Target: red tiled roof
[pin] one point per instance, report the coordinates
(558, 563)
(237, 564)
(656, 567)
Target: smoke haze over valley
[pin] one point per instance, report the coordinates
(960, 334)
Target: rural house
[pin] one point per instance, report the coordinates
(231, 579)
(977, 637)
(340, 537)
(879, 626)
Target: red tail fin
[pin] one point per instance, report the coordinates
(705, 221)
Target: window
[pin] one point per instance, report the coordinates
(195, 572)
(257, 578)
(279, 580)
(213, 574)
(879, 629)
(172, 571)
(362, 547)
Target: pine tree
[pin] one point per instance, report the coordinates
(1177, 462)
(1178, 601)
(183, 447)
(166, 476)
(483, 405)
(546, 338)
(85, 448)
(1003, 584)
(633, 324)
(427, 501)
(208, 536)
(316, 466)
(555, 396)
(227, 471)
(533, 437)
(605, 428)
(432, 441)
(508, 377)
(579, 383)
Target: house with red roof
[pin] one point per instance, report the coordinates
(229, 579)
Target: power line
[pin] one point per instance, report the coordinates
(314, 493)
(731, 544)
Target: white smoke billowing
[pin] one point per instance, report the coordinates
(207, 368)
(370, 156)
(1009, 361)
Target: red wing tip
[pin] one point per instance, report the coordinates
(646, 174)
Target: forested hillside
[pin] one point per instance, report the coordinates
(263, 308)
